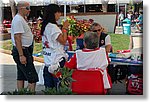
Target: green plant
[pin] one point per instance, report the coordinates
(23, 91)
(66, 77)
(6, 44)
(63, 85)
(78, 27)
(59, 91)
(37, 47)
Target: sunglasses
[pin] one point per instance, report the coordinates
(97, 30)
(27, 8)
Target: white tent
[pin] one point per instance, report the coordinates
(77, 1)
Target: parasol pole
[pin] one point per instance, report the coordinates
(65, 10)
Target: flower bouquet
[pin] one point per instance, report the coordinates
(36, 30)
(78, 27)
(37, 35)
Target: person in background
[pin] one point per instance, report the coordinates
(36, 31)
(22, 40)
(104, 39)
(53, 42)
(134, 17)
(129, 15)
(139, 22)
(91, 57)
(39, 21)
(121, 18)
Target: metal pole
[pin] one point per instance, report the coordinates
(125, 10)
(118, 10)
(84, 7)
(65, 11)
(70, 6)
(118, 7)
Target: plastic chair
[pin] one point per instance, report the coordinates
(136, 41)
(87, 83)
(80, 44)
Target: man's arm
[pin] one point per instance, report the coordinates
(108, 48)
(18, 43)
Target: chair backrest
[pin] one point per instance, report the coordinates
(79, 43)
(136, 41)
(87, 82)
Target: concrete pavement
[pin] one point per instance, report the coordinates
(8, 76)
(8, 73)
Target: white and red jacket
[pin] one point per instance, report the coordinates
(88, 59)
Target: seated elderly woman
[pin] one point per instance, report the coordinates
(90, 66)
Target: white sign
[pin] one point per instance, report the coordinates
(70, 2)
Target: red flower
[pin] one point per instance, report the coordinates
(78, 27)
(46, 44)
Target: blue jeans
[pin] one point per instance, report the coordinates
(49, 80)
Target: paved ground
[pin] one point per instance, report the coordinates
(119, 30)
(8, 73)
(8, 76)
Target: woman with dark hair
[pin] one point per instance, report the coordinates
(53, 41)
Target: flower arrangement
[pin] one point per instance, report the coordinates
(36, 30)
(78, 27)
(37, 36)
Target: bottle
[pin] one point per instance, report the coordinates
(66, 47)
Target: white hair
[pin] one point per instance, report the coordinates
(21, 4)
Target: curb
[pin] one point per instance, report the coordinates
(38, 59)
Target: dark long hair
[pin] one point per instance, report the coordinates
(49, 15)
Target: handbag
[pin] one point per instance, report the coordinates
(135, 84)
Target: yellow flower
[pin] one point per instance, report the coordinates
(78, 27)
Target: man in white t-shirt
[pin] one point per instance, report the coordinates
(22, 40)
(121, 18)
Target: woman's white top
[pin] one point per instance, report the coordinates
(53, 51)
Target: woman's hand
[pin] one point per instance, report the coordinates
(62, 38)
(66, 24)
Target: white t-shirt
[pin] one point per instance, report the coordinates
(96, 59)
(53, 51)
(121, 16)
(129, 16)
(19, 25)
(107, 40)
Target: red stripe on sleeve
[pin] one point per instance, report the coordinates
(72, 63)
